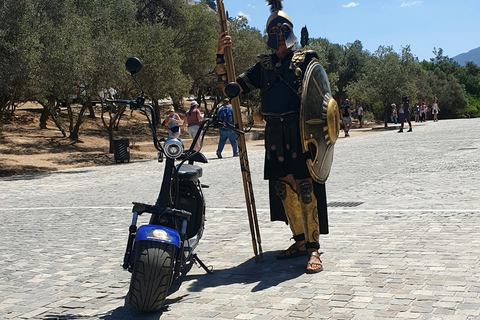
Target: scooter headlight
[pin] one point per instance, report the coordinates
(173, 148)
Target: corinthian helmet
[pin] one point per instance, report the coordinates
(279, 24)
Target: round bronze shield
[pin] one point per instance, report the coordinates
(319, 121)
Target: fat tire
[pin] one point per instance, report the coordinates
(151, 275)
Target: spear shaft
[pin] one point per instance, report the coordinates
(242, 147)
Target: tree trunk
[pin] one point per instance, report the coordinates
(158, 114)
(75, 133)
(44, 117)
(48, 110)
(202, 96)
(110, 126)
(91, 110)
(111, 148)
(70, 116)
(387, 111)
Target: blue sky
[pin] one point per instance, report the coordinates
(453, 26)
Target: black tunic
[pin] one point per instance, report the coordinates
(280, 84)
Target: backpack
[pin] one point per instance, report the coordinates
(226, 115)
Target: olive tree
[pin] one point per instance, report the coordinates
(196, 41)
(383, 81)
(162, 73)
(19, 53)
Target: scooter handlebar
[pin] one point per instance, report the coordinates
(141, 208)
(216, 123)
(134, 104)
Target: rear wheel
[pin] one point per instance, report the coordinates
(151, 275)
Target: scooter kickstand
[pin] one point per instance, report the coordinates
(197, 259)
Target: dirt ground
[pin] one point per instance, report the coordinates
(26, 149)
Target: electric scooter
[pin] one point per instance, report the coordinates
(159, 252)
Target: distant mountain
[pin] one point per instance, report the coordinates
(472, 55)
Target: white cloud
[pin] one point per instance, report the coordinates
(411, 3)
(240, 13)
(351, 5)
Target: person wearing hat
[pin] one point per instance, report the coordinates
(172, 122)
(295, 198)
(193, 118)
(394, 113)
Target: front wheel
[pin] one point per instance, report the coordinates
(151, 275)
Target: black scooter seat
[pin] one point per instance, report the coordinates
(190, 172)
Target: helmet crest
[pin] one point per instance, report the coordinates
(275, 5)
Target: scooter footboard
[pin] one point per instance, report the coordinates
(159, 234)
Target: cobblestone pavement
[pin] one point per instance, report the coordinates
(404, 212)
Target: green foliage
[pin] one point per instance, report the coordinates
(19, 45)
(169, 13)
(378, 110)
(344, 65)
(472, 110)
(449, 93)
(162, 62)
(368, 116)
(248, 44)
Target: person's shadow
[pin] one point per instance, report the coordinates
(268, 273)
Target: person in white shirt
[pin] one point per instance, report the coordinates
(435, 111)
(360, 114)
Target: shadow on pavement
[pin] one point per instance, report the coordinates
(63, 317)
(266, 274)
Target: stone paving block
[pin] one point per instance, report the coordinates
(357, 305)
(262, 317)
(407, 315)
(336, 304)
(298, 315)
(443, 311)
(12, 315)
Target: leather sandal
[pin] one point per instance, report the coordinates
(292, 252)
(314, 264)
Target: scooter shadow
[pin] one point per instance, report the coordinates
(268, 273)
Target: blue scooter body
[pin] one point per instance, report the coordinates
(159, 234)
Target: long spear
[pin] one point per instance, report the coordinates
(242, 147)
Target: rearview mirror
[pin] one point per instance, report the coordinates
(232, 90)
(133, 65)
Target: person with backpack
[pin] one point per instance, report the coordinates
(225, 115)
